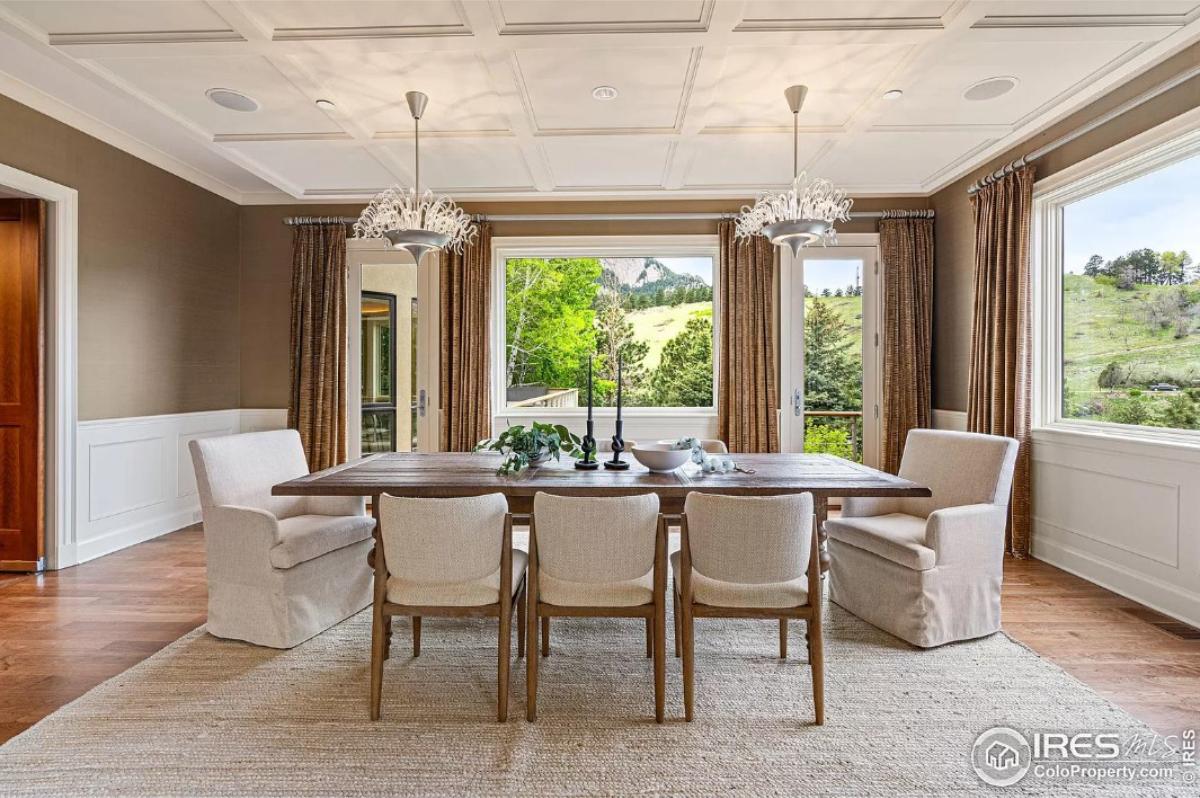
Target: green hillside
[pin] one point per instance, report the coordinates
(1105, 328)
(658, 325)
(848, 307)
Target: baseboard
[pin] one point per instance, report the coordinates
(1162, 596)
(134, 477)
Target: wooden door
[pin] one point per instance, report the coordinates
(22, 451)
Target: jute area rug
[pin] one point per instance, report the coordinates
(215, 717)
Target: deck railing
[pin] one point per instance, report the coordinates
(554, 397)
(854, 418)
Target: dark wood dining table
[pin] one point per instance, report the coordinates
(452, 474)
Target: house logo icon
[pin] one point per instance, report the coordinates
(1001, 756)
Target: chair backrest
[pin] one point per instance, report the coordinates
(584, 539)
(714, 446)
(750, 540)
(442, 541)
(242, 469)
(959, 467)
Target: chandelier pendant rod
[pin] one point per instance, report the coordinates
(795, 143)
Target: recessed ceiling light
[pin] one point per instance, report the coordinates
(893, 94)
(990, 88)
(326, 105)
(604, 93)
(233, 100)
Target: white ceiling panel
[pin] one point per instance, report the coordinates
(318, 165)
(1045, 70)
(840, 77)
(808, 10)
(759, 159)
(1029, 8)
(590, 12)
(605, 161)
(457, 163)
(894, 159)
(651, 82)
(181, 83)
(322, 14)
(128, 16)
(371, 86)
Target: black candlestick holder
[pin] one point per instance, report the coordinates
(588, 445)
(618, 446)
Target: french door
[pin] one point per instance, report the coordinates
(829, 353)
(392, 359)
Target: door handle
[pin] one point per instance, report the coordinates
(798, 403)
(421, 403)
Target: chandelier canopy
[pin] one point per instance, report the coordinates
(409, 219)
(806, 212)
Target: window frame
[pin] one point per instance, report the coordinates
(504, 248)
(1158, 148)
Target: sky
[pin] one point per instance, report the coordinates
(820, 274)
(1160, 210)
(700, 267)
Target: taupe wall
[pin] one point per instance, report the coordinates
(158, 273)
(955, 234)
(266, 257)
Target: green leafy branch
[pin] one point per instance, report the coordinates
(522, 447)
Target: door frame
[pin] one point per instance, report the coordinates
(358, 253)
(61, 325)
(791, 346)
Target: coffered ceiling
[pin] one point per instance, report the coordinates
(699, 109)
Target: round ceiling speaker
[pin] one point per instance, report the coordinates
(990, 88)
(233, 100)
(603, 93)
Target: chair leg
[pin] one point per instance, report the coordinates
(689, 661)
(649, 638)
(416, 632)
(377, 657)
(545, 635)
(783, 636)
(387, 640)
(817, 658)
(660, 657)
(675, 616)
(531, 659)
(521, 623)
(504, 647)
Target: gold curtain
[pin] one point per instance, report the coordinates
(999, 394)
(907, 249)
(748, 380)
(317, 404)
(466, 296)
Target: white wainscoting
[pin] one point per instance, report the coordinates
(134, 478)
(643, 427)
(1122, 513)
(950, 419)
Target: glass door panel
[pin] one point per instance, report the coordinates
(378, 372)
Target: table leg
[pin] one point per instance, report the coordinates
(820, 513)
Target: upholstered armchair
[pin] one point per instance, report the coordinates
(281, 569)
(928, 570)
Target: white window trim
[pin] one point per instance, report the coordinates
(593, 246)
(1168, 143)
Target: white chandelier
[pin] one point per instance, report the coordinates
(410, 220)
(806, 212)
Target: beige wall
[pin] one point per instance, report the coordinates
(955, 234)
(158, 273)
(266, 256)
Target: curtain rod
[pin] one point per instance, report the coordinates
(612, 217)
(1082, 130)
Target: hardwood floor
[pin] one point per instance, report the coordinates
(65, 632)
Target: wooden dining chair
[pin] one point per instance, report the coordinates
(597, 558)
(748, 557)
(450, 558)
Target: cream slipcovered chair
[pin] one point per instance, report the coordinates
(447, 557)
(928, 570)
(748, 557)
(597, 557)
(280, 568)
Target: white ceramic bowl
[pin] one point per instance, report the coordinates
(660, 456)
